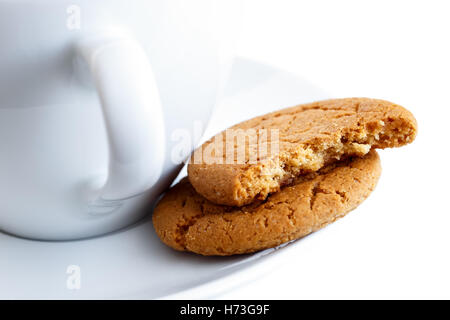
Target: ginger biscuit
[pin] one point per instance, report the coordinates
(186, 221)
(308, 137)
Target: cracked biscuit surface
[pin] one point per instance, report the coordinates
(186, 221)
(309, 137)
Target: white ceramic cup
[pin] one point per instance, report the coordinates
(92, 95)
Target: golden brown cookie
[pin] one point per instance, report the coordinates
(186, 221)
(309, 137)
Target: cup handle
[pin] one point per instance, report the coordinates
(132, 113)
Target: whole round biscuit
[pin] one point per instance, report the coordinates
(186, 221)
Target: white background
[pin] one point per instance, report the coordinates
(397, 244)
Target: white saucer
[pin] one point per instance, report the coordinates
(133, 263)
